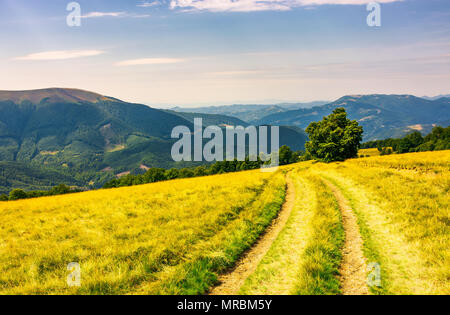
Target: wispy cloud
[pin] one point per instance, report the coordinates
(91, 15)
(103, 14)
(61, 55)
(260, 5)
(149, 61)
(147, 4)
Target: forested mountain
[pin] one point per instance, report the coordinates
(382, 116)
(75, 128)
(80, 138)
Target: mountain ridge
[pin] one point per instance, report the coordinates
(53, 94)
(381, 115)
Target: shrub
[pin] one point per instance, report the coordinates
(17, 194)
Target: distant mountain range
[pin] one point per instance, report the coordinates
(248, 113)
(76, 137)
(90, 137)
(382, 116)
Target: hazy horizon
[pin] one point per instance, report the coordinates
(235, 103)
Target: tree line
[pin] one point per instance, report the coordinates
(17, 194)
(153, 175)
(437, 140)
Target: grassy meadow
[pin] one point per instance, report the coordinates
(166, 238)
(403, 206)
(178, 237)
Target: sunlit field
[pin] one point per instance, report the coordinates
(165, 238)
(402, 202)
(368, 152)
(178, 237)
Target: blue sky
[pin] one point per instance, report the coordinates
(185, 52)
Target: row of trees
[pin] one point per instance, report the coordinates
(286, 156)
(153, 175)
(17, 194)
(336, 138)
(438, 139)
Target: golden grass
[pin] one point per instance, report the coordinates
(176, 237)
(369, 152)
(145, 239)
(403, 203)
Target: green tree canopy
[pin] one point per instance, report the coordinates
(17, 194)
(335, 138)
(287, 156)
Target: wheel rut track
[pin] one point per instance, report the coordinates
(231, 282)
(353, 267)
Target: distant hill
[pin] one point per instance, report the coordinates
(90, 138)
(433, 98)
(248, 113)
(382, 116)
(211, 119)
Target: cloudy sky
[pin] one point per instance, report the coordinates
(198, 52)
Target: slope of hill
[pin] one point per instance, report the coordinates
(382, 116)
(177, 237)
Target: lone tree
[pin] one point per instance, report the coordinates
(335, 138)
